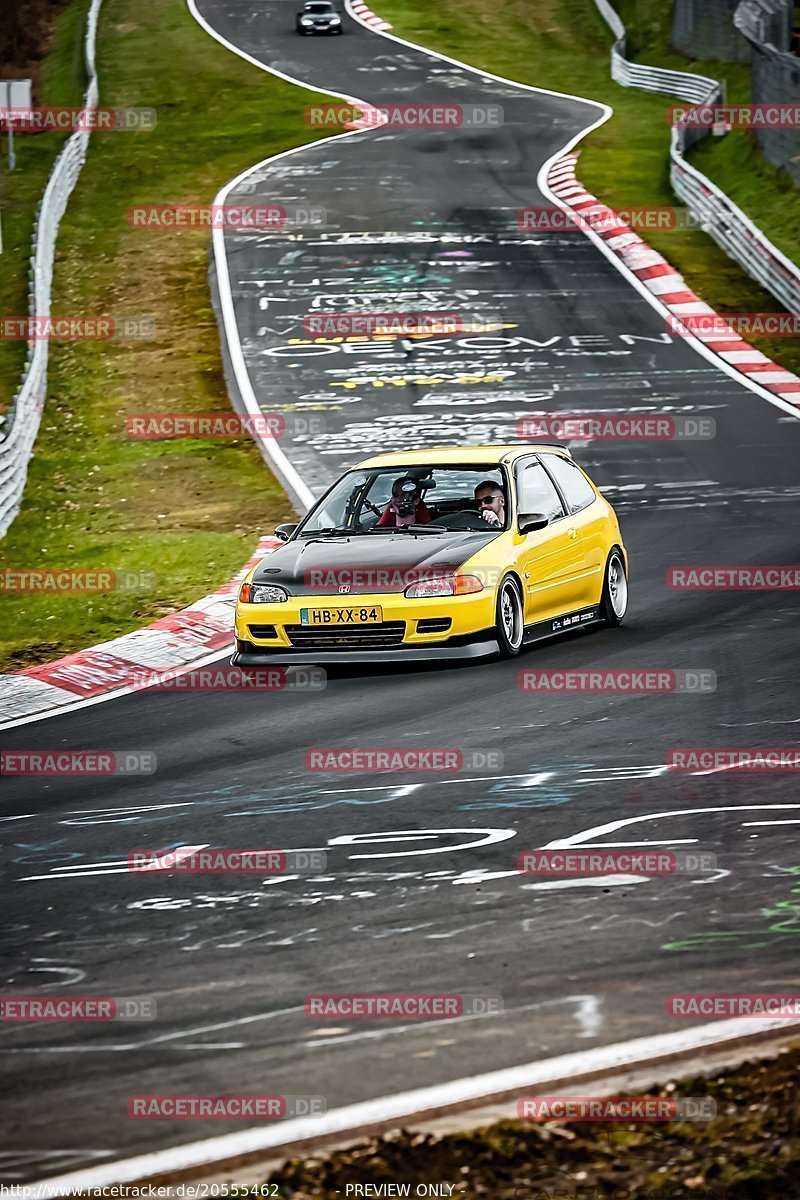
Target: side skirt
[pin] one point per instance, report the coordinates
(579, 619)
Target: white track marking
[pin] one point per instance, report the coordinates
(77, 871)
(601, 881)
(401, 1108)
(581, 839)
(585, 1005)
(791, 821)
(410, 835)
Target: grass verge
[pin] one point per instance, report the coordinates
(749, 1151)
(188, 509)
(564, 45)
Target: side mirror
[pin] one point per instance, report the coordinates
(284, 532)
(528, 522)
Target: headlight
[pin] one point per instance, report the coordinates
(453, 585)
(259, 593)
(306, 21)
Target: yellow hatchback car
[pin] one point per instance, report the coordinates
(448, 553)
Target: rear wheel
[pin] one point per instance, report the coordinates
(614, 601)
(509, 624)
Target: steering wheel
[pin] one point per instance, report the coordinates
(466, 519)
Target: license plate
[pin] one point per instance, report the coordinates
(340, 616)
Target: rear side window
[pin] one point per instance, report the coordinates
(577, 490)
(535, 491)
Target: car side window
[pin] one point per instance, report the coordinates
(535, 491)
(577, 490)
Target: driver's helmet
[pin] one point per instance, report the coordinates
(407, 492)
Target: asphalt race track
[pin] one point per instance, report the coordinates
(424, 221)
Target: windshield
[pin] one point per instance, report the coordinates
(319, 8)
(396, 498)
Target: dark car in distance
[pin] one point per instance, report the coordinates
(318, 16)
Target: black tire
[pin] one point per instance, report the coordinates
(509, 618)
(614, 600)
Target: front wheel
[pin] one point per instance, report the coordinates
(509, 623)
(614, 601)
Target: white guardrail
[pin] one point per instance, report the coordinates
(21, 425)
(723, 220)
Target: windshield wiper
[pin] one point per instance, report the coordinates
(330, 531)
(416, 529)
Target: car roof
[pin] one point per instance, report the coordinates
(460, 455)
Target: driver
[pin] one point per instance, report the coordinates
(491, 503)
(406, 506)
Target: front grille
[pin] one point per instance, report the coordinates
(380, 635)
(263, 631)
(434, 625)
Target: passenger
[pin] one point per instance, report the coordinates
(406, 506)
(492, 503)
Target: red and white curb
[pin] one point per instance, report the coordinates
(371, 118)
(368, 16)
(664, 282)
(176, 641)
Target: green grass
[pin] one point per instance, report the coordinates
(190, 510)
(63, 82)
(564, 45)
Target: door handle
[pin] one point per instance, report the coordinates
(573, 533)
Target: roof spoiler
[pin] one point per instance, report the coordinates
(557, 446)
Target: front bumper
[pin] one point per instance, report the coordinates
(447, 627)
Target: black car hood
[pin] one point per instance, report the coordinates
(379, 562)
